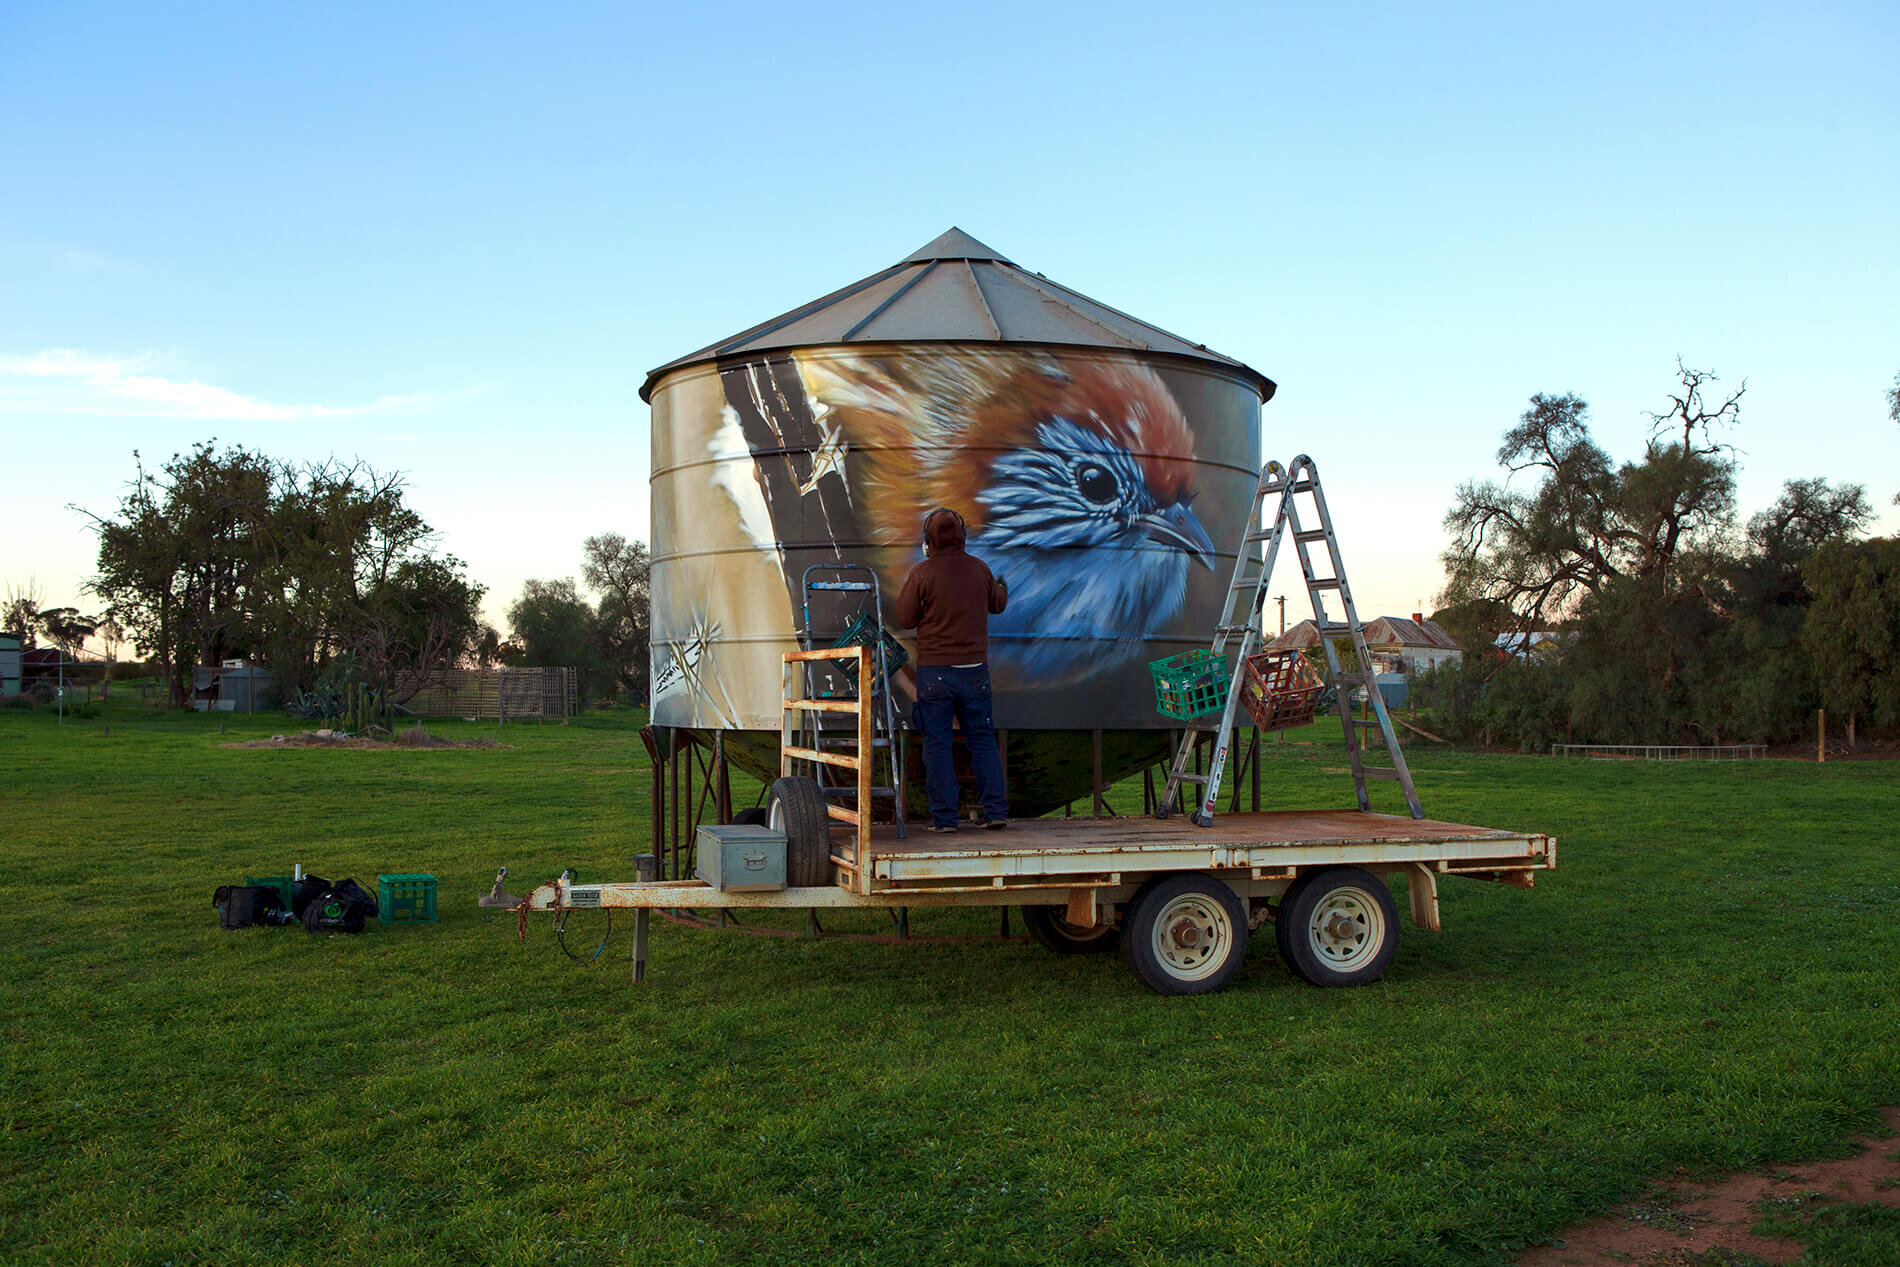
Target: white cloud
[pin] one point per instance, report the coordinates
(72, 381)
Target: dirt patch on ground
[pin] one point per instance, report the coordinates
(414, 738)
(1683, 1222)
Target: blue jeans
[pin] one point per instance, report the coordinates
(944, 692)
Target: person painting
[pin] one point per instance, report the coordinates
(949, 599)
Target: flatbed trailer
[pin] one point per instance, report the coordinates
(1179, 899)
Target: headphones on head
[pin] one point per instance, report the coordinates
(942, 510)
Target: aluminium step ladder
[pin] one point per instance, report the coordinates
(885, 736)
(1240, 628)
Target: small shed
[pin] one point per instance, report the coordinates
(9, 664)
(236, 686)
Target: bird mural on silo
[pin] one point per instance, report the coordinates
(1074, 475)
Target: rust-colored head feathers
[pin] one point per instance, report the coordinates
(926, 431)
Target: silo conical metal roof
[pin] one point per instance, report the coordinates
(954, 289)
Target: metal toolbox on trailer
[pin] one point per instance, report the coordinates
(740, 858)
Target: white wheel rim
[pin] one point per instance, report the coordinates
(775, 816)
(1347, 930)
(1192, 937)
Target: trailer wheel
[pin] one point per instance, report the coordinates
(1048, 926)
(796, 806)
(757, 816)
(1185, 934)
(1340, 928)
(1282, 922)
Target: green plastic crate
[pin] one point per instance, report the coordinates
(859, 633)
(408, 898)
(286, 886)
(1191, 684)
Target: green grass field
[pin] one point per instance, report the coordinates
(1708, 981)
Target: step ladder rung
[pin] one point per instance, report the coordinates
(1355, 678)
(1324, 582)
(1185, 777)
(1332, 629)
(1380, 772)
(1264, 534)
(1312, 534)
(847, 587)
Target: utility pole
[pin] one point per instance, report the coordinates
(1281, 599)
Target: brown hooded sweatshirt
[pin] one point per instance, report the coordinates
(949, 599)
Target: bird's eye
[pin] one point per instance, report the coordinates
(1095, 482)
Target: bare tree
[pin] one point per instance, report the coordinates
(20, 612)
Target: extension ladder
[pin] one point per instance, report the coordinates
(1240, 628)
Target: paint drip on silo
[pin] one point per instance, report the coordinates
(1104, 468)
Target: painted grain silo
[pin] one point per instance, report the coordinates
(1103, 467)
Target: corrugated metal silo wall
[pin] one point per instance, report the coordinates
(1108, 489)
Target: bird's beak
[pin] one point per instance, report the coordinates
(1176, 526)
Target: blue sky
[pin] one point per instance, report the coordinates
(451, 239)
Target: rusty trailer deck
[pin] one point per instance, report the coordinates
(1086, 861)
(1064, 849)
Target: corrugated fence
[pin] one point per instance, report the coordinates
(504, 694)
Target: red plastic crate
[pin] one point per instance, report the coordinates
(1280, 690)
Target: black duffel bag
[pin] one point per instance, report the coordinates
(244, 905)
(343, 907)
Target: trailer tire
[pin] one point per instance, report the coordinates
(1339, 928)
(1282, 937)
(795, 805)
(1185, 934)
(757, 816)
(1048, 926)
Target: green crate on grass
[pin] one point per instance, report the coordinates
(286, 886)
(407, 898)
(1191, 684)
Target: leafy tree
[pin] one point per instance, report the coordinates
(1583, 522)
(1679, 630)
(177, 564)
(621, 572)
(413, 624)
(1808, 512)
(555, 626)
(1893, 413)
(226, 553)
(67, 628)
(1476, 624)
(1853, 628)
